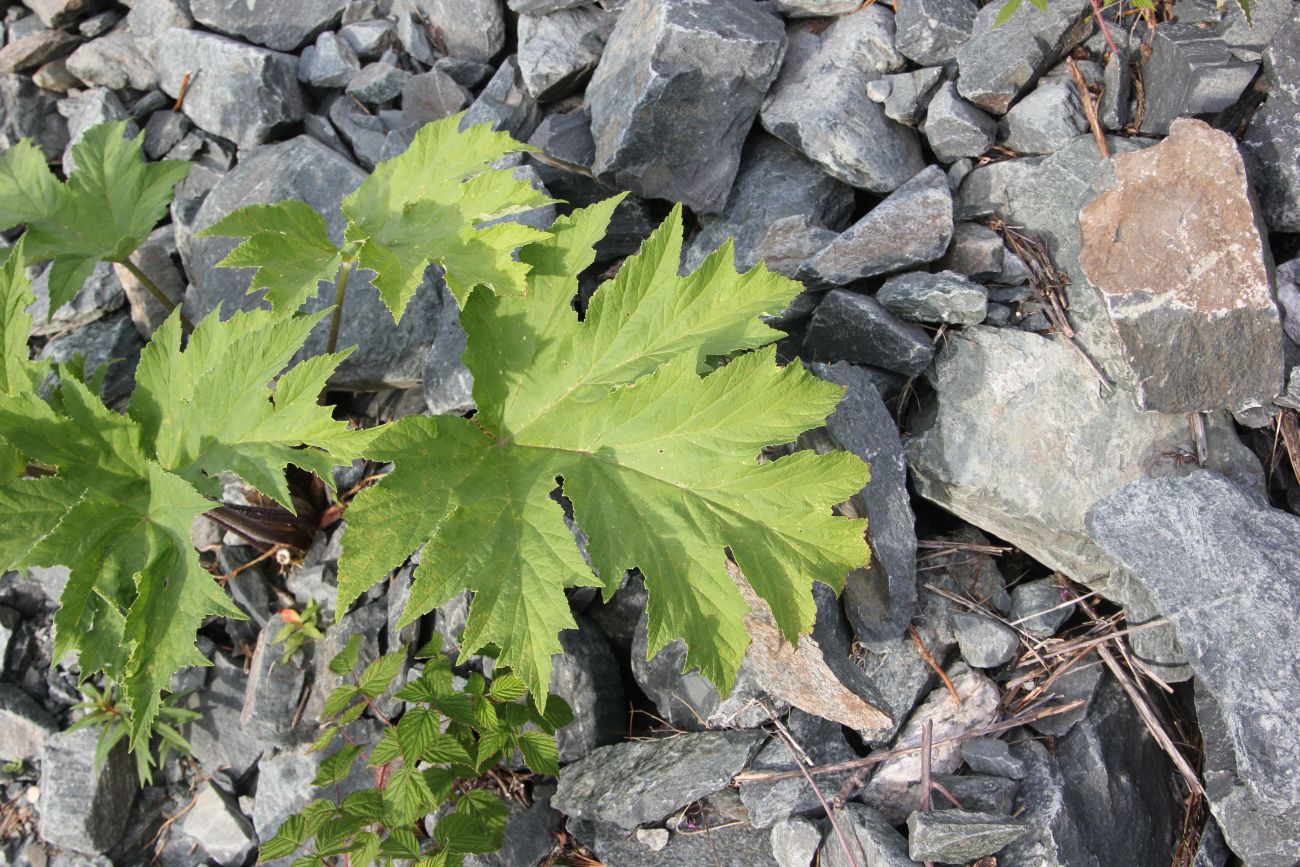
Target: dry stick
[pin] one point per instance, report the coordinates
(185, 89)
(927, 800)
(1089, 109)
(1196, 422)
(830, 814)
(925, 654)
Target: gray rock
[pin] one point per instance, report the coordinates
(956, 836)
(543, 7)
(1248, 38)
(1045, 120)
(274, 691)
(633, 783)
(992, 756)
(1190, 71)
(246, 94)
(905, 95)
(565, 137)
(856, 328)
(369, 621)
(467, 73)
(984, 642)
(432, 96)
(1179, 538)
(331, 62)
(285, 25)
(115, 61)
(365, 133)
(976, 251)
(977, 793)
(911, 227)
(999, 62)
(89, 109)
(148, 20)
(81, 808)
(378, 83)
(675, 94)
(815, 8)
(9, 620)
(57, 13)
(1039, 608)
(448, 384)
(24, 725)
(1077, 684)
(768, 802)
(370, 39)
(216, 823)
(1288, 298)
(54, 77)
(794, 842)
(819, 103)
(861, 424)
(1020, 442)
(470, 29)
(1192, 346)
(871, 838)
(588, 677)
(944, 297)
(388, 356)
(414, 38)
(1117, 87)
(789, 242)
(931, 31)
(1156, 646)
(100, 295)
(111, 339)
(35, 49)
(734, 844)
(164, 131)
(159, 259)
(505, 104)
(26, 111)
(1272, 141)
(775, 181)
(955, 128)
(558, 51)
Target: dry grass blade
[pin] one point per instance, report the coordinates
(1089, 107)
(800, 757)
(929, 660)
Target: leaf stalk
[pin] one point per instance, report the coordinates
(340, 293)
(154, 290)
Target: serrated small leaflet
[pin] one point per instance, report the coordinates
(658, 453)
(378, 675)
(346, 659)
(336, 766)
(407, 796)
(540, 752)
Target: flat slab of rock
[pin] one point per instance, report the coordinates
(911, 227)
(81, 808)
(944, 297)
(285, 25)
(470, 29)
(633, 783)
(820, 104)
(1211, 555)
(1020, 442)
(1175, 248)
(1272, 141)
(676, 92)
(956, 836)
(387, 356)
(245, 94)
(24, 725)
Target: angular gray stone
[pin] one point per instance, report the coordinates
(35, 49)
(558, 51)
(789, 242)
(1117, 84)
(956, 836)
(246, 94)
(1192, 542)
(331, 62)
(83, 809)
(543, 7)
(115, 61)
(24, 725)
(1247, 38)
(872, 840)
(1155, 645)
(588, 677)
(1038, 607)
(387, 356)
(992, 756)
(815, 8)
(470, 29)
(819, 103)
(906, 94)
(274, 691)
(530, 833)
(87, 110)
(26, 111)
(775, 181)
(365, 133)
(944, 297)
(794, 842)
(1199, 336)
(57, 13)
(861, 424)
(1190, 71)
(370, 39)
(733, 844)
(768, 802)
(931, 31)
(984, 642)
(219, 827)
(999, 62)
(432, 96)
(1288, 298)
(285, 25)
(856, 328)
(637, 782)
(377, 83)
(1080, 683)
(676, 92)
(54, 77)
(911, 227)
(1020, 442)
(1272, 141)
(1045, 120)
(100, 295)
(976, 251)
(505, 104)
(163, 131)
(448, 384)
(954, 128)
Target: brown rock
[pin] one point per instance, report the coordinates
(36, 48)
(1180, 257)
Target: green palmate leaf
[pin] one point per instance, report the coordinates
(18, 373)
(427, 206)
(658, 455)
(110, 204)
(289, 246)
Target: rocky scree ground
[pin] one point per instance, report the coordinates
(1075, 375)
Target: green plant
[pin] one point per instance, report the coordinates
(426, 762)
(298, 629)
(104, 708)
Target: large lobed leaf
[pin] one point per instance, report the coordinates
(658, 453)
(109, 205)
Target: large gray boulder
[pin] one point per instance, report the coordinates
(676, 92)
(820, 104)
(1189, 71)
(387, 355)
(285, 25)
(245, 94)
(558, 51)
(1225, 570)
(1272, 141)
